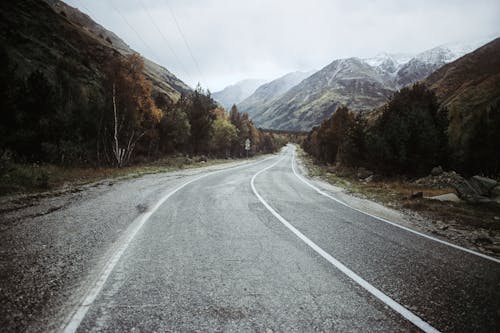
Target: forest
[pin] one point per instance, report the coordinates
(116, 123)
(408, 136)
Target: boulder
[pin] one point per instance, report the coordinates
(450, 197)
(364, 173)
(483, 185)
(466, 191)
(436, 171)
(444, 180)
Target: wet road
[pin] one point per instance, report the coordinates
(255, 248)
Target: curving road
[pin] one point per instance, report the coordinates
(260, 248)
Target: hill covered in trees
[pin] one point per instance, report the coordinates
(451, 119)
(72, 93)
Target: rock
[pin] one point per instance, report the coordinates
(416, 195)
(466, 191)
(444, 180)
(141, 208)
(364, 173)
(202, 158)
(450, 197)
(483, 185)
(436, 171)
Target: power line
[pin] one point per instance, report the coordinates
(165, 39)
(133, 29)
(185, 40)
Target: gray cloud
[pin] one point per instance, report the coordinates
(233, 40)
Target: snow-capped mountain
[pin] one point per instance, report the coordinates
(360, 84)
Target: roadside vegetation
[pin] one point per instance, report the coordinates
(407, 137)
(401, 155)
(462, 222)
(54, 129)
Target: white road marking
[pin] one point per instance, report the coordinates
(387, 221)
(77, 316)
(410, 316)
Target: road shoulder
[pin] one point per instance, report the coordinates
(484, 239)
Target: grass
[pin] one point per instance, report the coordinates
(395, 192)
(34, 178)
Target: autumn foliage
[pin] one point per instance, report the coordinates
(50, 118)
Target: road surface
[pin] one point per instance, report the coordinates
(257, 248)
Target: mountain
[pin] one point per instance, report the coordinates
(53, 37)
(268, 92)
(360, 84)
(467, 87)
(237, 92)
(350, 82)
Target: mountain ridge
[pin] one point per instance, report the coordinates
(269, 91)
(360, 84)
(53, 36)
(235, 93)
(467, 87)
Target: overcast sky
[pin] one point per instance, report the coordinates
(231, 40)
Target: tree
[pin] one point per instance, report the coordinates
(483, 155)
(175, 130)
(410, 136)
(354, 150)
(9, 94)
(326, 141)
(132, 106)
(37, 110)
(223, 135)
(201, 116)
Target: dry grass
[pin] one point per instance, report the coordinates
(33, 178)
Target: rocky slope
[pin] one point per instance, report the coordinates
(360, 84)
(467, 87)
(51, 36)
(237, 92)
(268, 92)
(351, 82)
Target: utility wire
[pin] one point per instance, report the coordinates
(89, 13)
(133, 29)
(144, 6)
(185, 40)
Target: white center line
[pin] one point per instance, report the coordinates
(410, 316)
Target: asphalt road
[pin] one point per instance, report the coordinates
(254, 248)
